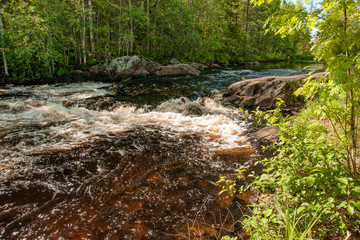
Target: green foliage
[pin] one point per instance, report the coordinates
(310, 170)
(229, 185)
(304, 58)
(229, 238)
(281, 222)
(44, 38)
(311, 187)
(309, 183)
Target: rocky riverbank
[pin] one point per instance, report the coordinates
(263, 92)
(119, 69)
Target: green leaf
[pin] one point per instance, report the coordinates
(351, 209)
(356, 189)
(300, 209)
(342, 204)
(267, 212)
(310, 181)
(343, 180)
(357, 205)
(264, 220)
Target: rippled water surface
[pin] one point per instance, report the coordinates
(132, 160)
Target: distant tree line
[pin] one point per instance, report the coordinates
(42, 37)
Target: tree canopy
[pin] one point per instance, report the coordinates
(311, 187)
(49, 38)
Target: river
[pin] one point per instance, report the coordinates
(132, 160)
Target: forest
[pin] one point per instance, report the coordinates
(50, 38)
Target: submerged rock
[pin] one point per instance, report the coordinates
(176, 70)
(198, 66)
(263, 92)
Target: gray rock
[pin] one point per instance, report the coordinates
(127, 66)
(267, 135)
(135, 66)
(174, 61)
(176, 70)
(198, 66)
(263, 92)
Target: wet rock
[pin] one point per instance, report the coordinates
(236, 152)
(263, 92)
(225, 200)
(177, 70)
(249, 197)
(198, 66)
(214, 65)
(135, 66)
(267, 135)
(126, 66)
(174, 61)
(182, 105)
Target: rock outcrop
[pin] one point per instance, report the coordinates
(176, 70)
(267, 135)
(198, 66)
(126, 66)
(263, 92)
(135, 66)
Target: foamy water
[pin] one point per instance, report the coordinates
(46, 118)
(117, 161)
(72, 126)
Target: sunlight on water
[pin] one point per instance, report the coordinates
(65, 128)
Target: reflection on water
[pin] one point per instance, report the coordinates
(135, 160)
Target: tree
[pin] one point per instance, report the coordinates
(3, 44)
(314, 178)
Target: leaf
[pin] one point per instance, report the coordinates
(310, 181)
(343, 181)
(342, 204)
(356, 189)
(267, 212)
(351, 209)
(357, 205)
(300, 209)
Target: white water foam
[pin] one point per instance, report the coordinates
(60, 128)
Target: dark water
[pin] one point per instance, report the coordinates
(134, 160)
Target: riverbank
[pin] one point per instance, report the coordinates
(139, 67)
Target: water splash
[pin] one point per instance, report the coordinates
(124, 161)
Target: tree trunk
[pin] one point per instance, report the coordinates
(3, 44)
(91, 26)
(148, 26)
(84, 33)
(120, 41)
(247, 21)
(353, 133)
(131, 29)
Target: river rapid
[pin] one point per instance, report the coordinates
(132, 160)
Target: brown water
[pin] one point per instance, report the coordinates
(139, 160)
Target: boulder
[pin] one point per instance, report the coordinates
(174, 61)
(176, 70)
(126, 66)
(263, 92)
(267, 135)
(198, 66)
